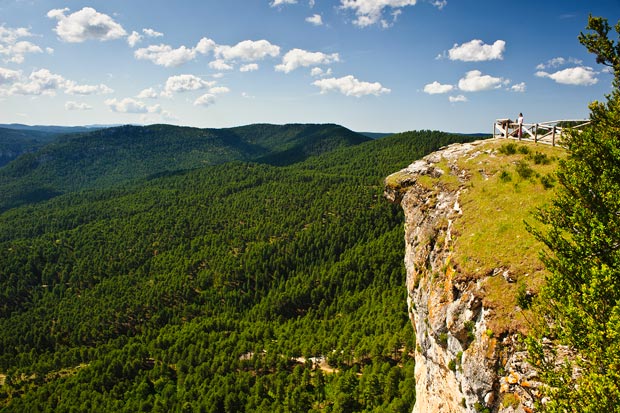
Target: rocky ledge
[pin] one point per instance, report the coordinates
(461, 365)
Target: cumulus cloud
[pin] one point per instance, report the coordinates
(318, 72)
(519, 87)
(152, 33)
(129, 105)
(86, 24)
(205, 100)
(149, 93)
(250, 67)
(458, 98)
(73, 88)
(165, 55)
(220, 65)
(369, 12)
(276, 3)
(350, 86)
(8, 75)
(315, 19)
(133, 38)
(205, 45)
(437, 88)
(71, 105)
(580, 76)
(13, 49)
(475, 81)
(184, 83)
(44, 82)
(477, 51)
(247, 50)
(296, 58)
(218, 90)
(39, 82)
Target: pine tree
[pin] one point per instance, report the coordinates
(581, 298)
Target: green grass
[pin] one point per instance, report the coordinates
(509, 181)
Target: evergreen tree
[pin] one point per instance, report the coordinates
(581, 298)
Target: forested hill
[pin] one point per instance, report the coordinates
(115, 155)
(226, 288)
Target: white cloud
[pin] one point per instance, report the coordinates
(519, 87)
(218, 90)
(370, 12)
(8, 75)
(440, 4)
(165, 55)
(205, 45)
(318, 72)
(149, 93)
(220, 65)
(133, 38)
(477, 51)
(14, 49)
(152, 33)
(350, 86)
(129, 105)
(39, 82)
(475, 81)
(71, 105)
(247, 50)
(184, 83)
(84, 25)
(437, 88)
(315, 19)
(44, 82)
(557, 62)
(205, 100)
(276, 3)
(73, 88)
(580, 76)
(250, 67)
(458, 98)
(301, 58)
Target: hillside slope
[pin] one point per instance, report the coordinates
(472, 269)
(231, 287)
(116, 155)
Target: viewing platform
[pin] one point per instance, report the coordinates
(544, 132)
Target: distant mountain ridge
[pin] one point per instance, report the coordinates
(110, 156)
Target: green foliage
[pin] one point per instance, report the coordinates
(223, 288)
(582, 294)
(524, 170)
(125, 154)
(509, 148)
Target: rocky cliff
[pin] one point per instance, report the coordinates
(468, 357)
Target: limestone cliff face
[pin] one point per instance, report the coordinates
(461, 366)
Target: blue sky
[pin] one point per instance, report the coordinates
(369, 65)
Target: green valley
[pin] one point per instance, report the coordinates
(270, 278)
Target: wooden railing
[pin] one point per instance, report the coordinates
(543, 132)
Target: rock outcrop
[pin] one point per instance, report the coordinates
(461, 365)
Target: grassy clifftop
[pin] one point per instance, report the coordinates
(508, 182)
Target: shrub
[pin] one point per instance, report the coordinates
(524, 170)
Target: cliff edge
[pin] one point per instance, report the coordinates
(472, 269)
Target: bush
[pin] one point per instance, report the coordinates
(524, 170)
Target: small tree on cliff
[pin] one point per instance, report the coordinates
(581, 297)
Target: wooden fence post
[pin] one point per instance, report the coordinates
(536, 133)
(553, 136)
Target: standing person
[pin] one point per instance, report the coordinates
(520, 124)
